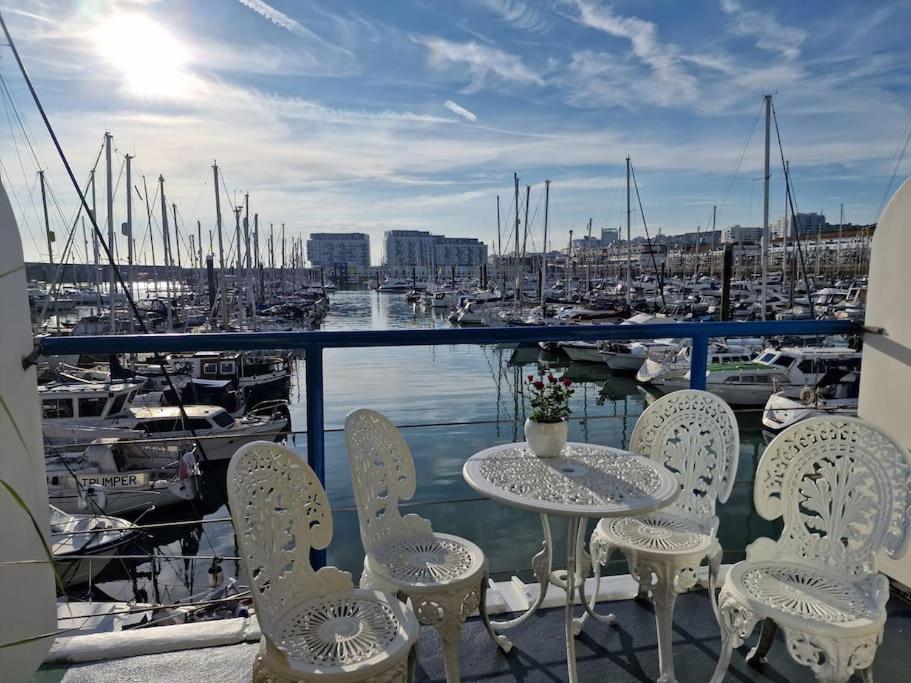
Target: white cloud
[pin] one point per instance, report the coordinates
(770, 35)
(488, 66)
(518, 13)
(282, 20)
(460, 111)
(669, 81)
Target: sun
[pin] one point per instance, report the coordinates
(152, 61)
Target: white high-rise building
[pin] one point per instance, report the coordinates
(737, 234)
(408, 250)
(334, 250)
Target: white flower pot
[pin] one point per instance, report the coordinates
(546, 439)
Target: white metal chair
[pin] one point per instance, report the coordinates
(445, 576)
(315, 624)
(843, 488)
(694, 434)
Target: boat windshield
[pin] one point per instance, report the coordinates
(222, 419)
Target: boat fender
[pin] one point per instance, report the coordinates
(216, 575)
(93, 497)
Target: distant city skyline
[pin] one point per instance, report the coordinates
(408, 115)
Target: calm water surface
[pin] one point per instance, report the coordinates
(428, 389)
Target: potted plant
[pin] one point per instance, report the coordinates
(546, 427)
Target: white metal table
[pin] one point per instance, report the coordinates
(585, 482)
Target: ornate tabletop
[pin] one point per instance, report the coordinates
(584, 481)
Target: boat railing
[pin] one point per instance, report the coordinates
(312, 344)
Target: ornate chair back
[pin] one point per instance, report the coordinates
(694, 434)
(843, 488)
(280, 511)
(382, 473)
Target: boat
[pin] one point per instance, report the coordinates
(582, 351)
(75, 414)
(83, 544)
(400, 285)
(670, 361)
(629, 356)
(259, 376)
(110, 478)
(752, 383)
(835, 394)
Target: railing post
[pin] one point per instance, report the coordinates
(699, 361)
(316, 440)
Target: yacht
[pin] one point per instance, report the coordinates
(103, 480)
(752, 383)
(259, 376)
(582, 351)
(76, 414)
(835, 394)
(665, 363)
(399, 285)
(83, 545)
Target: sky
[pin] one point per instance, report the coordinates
(366, 116)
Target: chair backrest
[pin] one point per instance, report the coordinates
(280, 511)
(694, 434)
(382, 473)
(843, 488)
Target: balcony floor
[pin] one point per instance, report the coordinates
(625, 652)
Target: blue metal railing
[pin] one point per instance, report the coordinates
(313, 343)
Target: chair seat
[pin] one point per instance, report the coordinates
(655, 533)
(343, 633)
(427, 562)
(797, 594)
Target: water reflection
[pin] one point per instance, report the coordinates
(441, 388)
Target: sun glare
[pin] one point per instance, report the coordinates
(152, 61)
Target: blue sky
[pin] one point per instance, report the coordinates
(369, 115)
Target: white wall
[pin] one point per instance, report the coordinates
(27, 597)
(885, 384)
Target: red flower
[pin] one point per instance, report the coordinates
(531, 378)
(538, 385)
(566, 382)
(551, 379)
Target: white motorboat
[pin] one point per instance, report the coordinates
(82, 545)
(791, 368)
(835, 394)
(400, 285)
(582, 351)
(667, 362)
(76, 414)
(104, 479)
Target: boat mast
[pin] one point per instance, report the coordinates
(128, 228)
(168, 256)
(629, 244)
(96, 276)
(588, 259)
(499, 235)
(714, 245)
(765, 207)
(200, 262)
(841, 222)
(223, 284)
(110, 203)
(145, 188)
(47, 225)
(515, 177)
(128, 159)
(544, 249)
(177, 243)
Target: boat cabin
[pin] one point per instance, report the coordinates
(93, 401)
